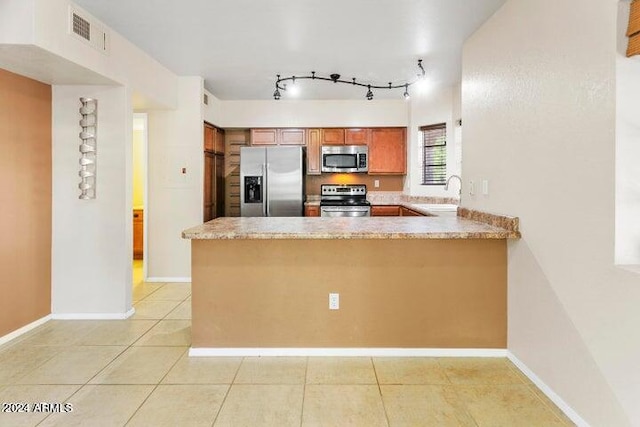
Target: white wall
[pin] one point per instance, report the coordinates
(92, 239)
(627, 148)
(125, 63)
(436, 106)
(175, 199)
(16, 25)
(538, 109)
(286, 113)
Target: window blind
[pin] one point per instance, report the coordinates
(434, 154)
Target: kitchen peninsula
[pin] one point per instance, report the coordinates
(261, 284)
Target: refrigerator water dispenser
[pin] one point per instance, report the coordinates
(253, 189)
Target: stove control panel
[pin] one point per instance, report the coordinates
(343, 190)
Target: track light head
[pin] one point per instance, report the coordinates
(406, 92)
(369, 93)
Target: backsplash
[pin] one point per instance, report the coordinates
(395, 197)
(387, 183)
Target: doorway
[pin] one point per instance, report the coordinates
(139, 195)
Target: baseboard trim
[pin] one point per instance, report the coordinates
(168, 279)
(552, 395)
(346, 352)
(93, 316)
(23, 330)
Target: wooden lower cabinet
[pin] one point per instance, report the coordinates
(312, 211)
(138, 233)
(393, 210)
(409, 212)
(385, 210)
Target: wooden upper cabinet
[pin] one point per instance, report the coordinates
(264, 136)
(292, 136)
(388, 151)
(313, 152)
(213, 139)
(209, 137)
(282, 136)
(332, 136)
(357, 136)
(219, 141)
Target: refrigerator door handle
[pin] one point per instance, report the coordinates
(266, 190)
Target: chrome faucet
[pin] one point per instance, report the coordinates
(446, 186)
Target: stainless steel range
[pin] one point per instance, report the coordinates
(348, 200)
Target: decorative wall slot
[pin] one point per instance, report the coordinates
(88, 148)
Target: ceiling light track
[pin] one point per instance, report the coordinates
(281, 84)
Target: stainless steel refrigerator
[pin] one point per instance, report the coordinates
(271, 181)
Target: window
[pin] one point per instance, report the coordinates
(434, 154)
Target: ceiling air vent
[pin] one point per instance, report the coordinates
(86, 28)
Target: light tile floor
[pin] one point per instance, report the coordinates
(136, 372)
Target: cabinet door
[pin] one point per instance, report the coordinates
(292, 136)
(209, 137)
(313, 152)
(219, 141)
(137, 234)
(311, 211)
(356, 136)
(332, 136)
(208, 186)
(264, 136)
(388, 151)
(385, 210)
(218, 201)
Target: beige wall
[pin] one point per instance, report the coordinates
(25, 197)
(538, 109)
(393, 293)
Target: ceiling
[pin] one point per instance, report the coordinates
(239, 46)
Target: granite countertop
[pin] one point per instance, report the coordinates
(453, 227)
(396, 198)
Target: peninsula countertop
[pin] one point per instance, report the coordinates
(258, 228)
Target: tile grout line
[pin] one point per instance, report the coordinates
(455, 390)
(172, 366)
(304, 390)
(154, 388)
(533, 388)
(233, 380)
(384, 407)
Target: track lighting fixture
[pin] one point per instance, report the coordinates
(335, 78)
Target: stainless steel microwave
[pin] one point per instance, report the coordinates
(345, 158)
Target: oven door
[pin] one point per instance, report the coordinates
(345, 211)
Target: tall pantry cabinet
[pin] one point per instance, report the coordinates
(213, 206)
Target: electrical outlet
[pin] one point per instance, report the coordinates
(334, 301)
(472, 188)
(376, 183)
(485, 187)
